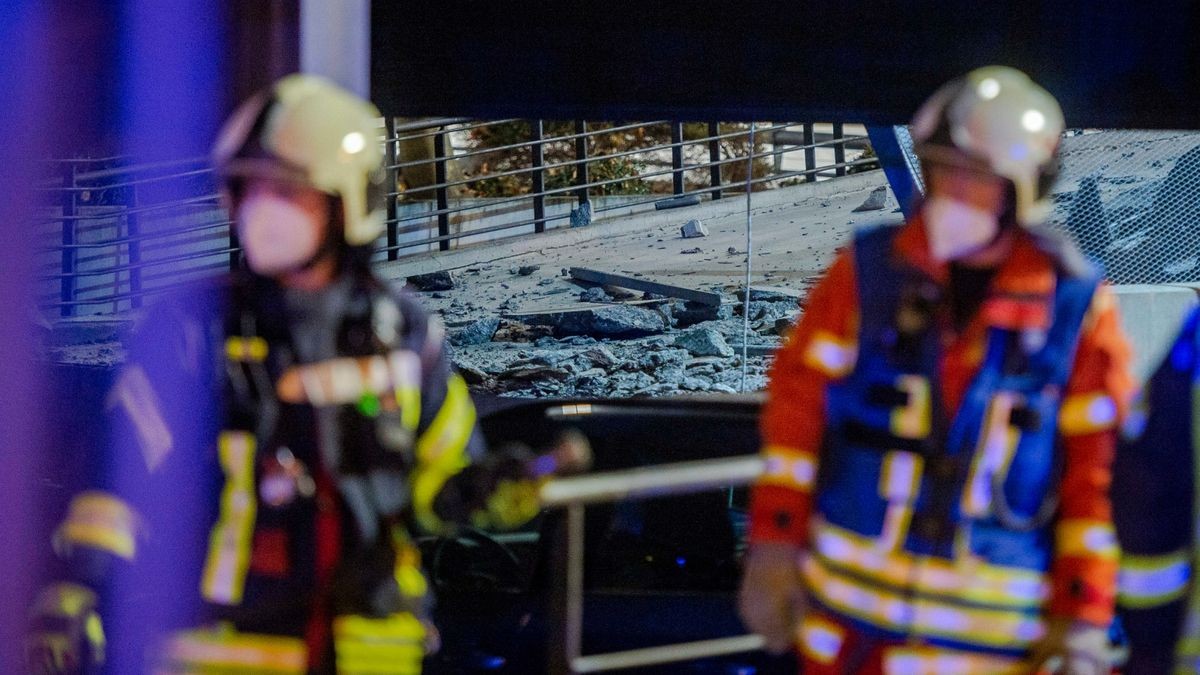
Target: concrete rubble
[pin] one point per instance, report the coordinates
(520, 323)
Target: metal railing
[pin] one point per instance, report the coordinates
(573, 494)
(114, 232)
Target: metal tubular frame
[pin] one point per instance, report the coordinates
(573, 494)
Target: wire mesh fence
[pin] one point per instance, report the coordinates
(1132, 201)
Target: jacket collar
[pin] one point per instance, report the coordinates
(1021, 294)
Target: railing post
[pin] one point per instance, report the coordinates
(134, 254)
(581, 166)
(439, 177)
(539, 178)
(677, 157)
(714, 156)
(839, 148)
(393, 186)
(67, 289)
(566, 636)
(810, 154)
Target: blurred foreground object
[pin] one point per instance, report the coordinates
(278, 438)
(940, 424)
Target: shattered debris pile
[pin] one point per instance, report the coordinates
(651, 344)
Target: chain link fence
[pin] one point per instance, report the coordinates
(1132, 201)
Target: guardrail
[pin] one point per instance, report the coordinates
(114, 232)
(573, 494)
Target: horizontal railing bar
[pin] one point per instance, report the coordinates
(133, 240)
(137, 168)
(611, 181)
(570, 137)
(136, 266)
(431, 123)
(647, 482)
(118, 212)
(650, 656)
(522, 144)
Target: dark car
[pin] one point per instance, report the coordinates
(656, 572)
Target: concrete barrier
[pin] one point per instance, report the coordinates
(1151, 316)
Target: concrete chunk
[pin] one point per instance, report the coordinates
(704, 342)
(692, 229)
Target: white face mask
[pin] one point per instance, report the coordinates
(277, 235)
(955, 229)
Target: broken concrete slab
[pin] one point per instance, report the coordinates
(687, 314)
(442, 280)
(607, 278)
(616, 321)
(475, 333)
(704, 342)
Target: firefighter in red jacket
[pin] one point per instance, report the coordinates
(939, 427)
(278, 437)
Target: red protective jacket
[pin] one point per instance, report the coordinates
(823, 346)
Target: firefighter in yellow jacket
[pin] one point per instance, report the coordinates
(276, 437)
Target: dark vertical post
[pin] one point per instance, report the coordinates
(810, 154)
(581, 166)
(392, 184)
(539, 178)
(235, 252)
(677, 157)
(439, 176)
(839, 148)
(67, 291)
(714, 157)
(566, 631)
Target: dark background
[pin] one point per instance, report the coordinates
(1111, 64)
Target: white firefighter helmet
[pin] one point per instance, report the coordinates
(307, 129)
(995, 119)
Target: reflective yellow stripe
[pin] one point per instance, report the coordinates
(406, 371)
(899, 483)
(940, 661)
(102, 521)
(134, 393)
(968, 580)
(224, 651)
(1087, 413)
(830, 354)
(441, 450)
(346, 380)
(512, 504)
(1090, 538)
(246, 349)
(394, 644)
(913, 419)
(821, 640)
(898, 612)
(229, 543)
(789, 467)
(993, 455)
(1152, 580)
(408, 568)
